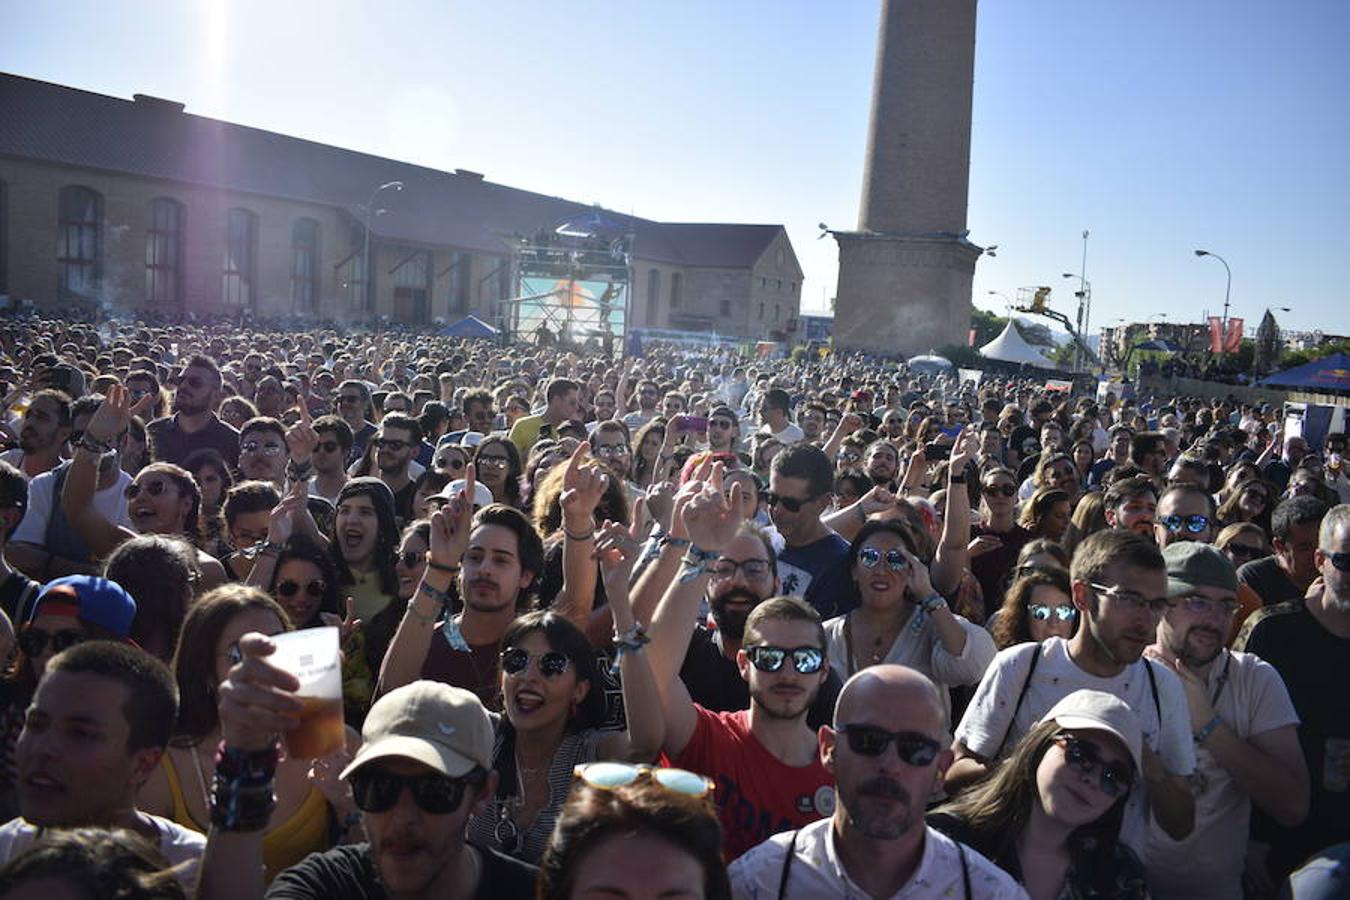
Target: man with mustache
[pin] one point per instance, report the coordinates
(45, 429)
(1119, 581)
(1246, 731)
(1131, 503)
(885, 750)
(744, 576)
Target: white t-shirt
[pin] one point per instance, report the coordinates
(790, 434)
(1208, 864)
(110, 502)
(990, 714)
(178, 845)
(817, 871)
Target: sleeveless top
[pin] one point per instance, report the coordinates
(284, 844)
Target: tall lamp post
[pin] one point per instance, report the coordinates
(1084, 295)
(371, 212)
(1228, 287)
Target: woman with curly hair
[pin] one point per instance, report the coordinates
(1038, 605)
(1050, 815)
(1046, 514)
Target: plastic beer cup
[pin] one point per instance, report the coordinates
(312, 656)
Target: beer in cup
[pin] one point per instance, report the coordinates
(312, 656)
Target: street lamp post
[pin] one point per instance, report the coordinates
(1084, 295)
(1227, 290)
(365, 255)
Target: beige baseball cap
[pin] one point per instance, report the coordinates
(1099, 711)
(443, 727)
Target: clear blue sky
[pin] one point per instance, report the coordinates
(1160, 126)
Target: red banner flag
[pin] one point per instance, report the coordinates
(1215, 334)
(1233, 340)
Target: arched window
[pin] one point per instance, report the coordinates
(241, 244)
(305, 265)
(79, 250)
(676, 288)
(164, 252)
(653, 295)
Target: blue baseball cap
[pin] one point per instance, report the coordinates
(90, 599)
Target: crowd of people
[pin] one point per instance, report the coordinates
(689, 624)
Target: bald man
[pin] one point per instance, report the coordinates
(887, 753)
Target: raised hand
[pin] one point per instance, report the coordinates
(710, 517)
(963, 450)
(256, 699)
(344, 624)
(920, 584)
(617, 551)
(876, 500)
(451, 524)
(114, 414)
(583, 488)
(301, 438)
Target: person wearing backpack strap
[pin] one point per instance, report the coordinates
(885, 751)
(1119, 582)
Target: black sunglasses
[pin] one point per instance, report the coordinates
(411, 558)
(766, 658)
(869, 740)
(1115, 779)
(376, 791)
(1246, 551)
(791, 504)
(32, 641)
(390, 444)
(1340, 560)
(289, 588)
(153, 488)
(551, 663)
(1007, 490)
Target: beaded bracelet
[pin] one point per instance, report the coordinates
(436, 594)
(630, 641)
(241, 796)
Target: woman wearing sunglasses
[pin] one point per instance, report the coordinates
(307, 810)
(634, 831)
(901, 619)
(497, 462)
(1050, 815)
(997, 538)
(1038, 605)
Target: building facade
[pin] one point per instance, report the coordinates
(140, 206)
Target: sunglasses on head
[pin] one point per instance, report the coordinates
(791, 504)
(869, 740)
(1042, 612)
(767, 658)
(153, 488)
(895, 558)
(608, 776)
(1003, 490)
(411, 559)
(1115, 779)
(376, 791)
(289, 588)
(32, 641)
(551, 663)
(1195, 524)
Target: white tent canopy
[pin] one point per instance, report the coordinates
(1011, 347)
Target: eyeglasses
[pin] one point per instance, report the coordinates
(1245, 551)
(791, 504)
(1132, 600)
(895, 559)
(1341, 561)
(139, 393)
(1042, 612)
(327, 446)
(1115, 779)
(1195, 524)
(32, 641)
(551, 663)
(1005, 490)
(725, 568)
(451, 462)
(260, 447)
(391, 444)
(1203, 606)
(154, 488)
(608, 776)
(411, 559)
(766, 658)
(289, 588)
(376, 791)
(611, 451)
(493, 462)
(869, 740)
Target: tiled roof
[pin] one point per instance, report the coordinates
(156, 139)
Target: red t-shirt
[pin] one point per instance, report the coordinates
(757, 795)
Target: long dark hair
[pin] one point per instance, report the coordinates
(386, 533)
(514, 467)
(998, 808)
(302, 546)
(194, 662)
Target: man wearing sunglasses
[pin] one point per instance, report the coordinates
(1308, 642)
(395, 446)
(353, 402)
(886, 752)
(813, 564)
(1119, 583)
(724, 430)
(425, 766)
(1246, 731)
(330, 454)
(193, 424)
